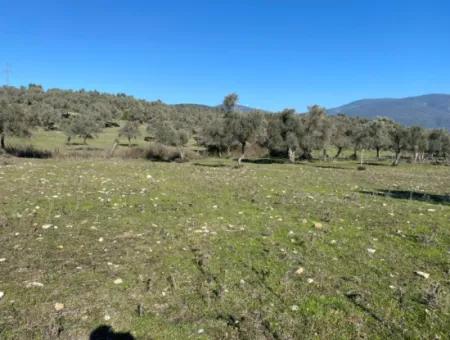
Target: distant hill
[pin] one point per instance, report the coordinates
(239, 108)
(243, 108)
(432, 110)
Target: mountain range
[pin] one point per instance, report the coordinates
(431, 110)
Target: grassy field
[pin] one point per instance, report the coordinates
(204, 250)
(55, 142)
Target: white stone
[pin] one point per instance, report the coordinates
(59, 306)
(299, 271)
(423, 274)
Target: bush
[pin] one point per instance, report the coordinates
(159, 152)
(28, 152)
(164, 153)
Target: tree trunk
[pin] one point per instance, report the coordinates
(397, 158)
(307, 155)
(378, 153)
(416, 154)
(2, 141)
(181, 153)
(361, 157)
(242, 154)
(291, 155)
(338, 152)
(111, 152)
(325, 155)
(129, 142)
(84, 140)
(354, 155)
(69, 139)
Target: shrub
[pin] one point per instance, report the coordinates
(159, 152)
(28, 152)
(164, 153)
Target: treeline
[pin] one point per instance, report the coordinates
(23, 108)
(288, 134)
(220, 130)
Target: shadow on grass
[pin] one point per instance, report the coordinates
(411, 195)
(27, 152)
(132, 145)
(105, 332)
(265, 161)
(330, 167)
(75, 144)
(218, 165)
(325, 166)
(378, 164)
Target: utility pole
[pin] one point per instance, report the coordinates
(7, 73)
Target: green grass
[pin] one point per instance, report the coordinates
(55, 141)
(205, 246)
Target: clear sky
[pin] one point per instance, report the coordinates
(273, 53)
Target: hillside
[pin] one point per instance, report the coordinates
(50, 104)
(432, 110)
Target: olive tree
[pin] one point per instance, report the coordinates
(215, 137)
(82, 125)
(341, 133)
(438, 143)
(229, 102)
(417, 143)
(166, 133)
(362, 139)
(378, 132)
(130, 131)
(317, 131)
(284, 133)
(357, 135)
(245, 127)
(399, 141)
(47, 115)
(14, 121)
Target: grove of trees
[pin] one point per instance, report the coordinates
(220, 130)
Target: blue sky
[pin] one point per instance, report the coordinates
(273, 53)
